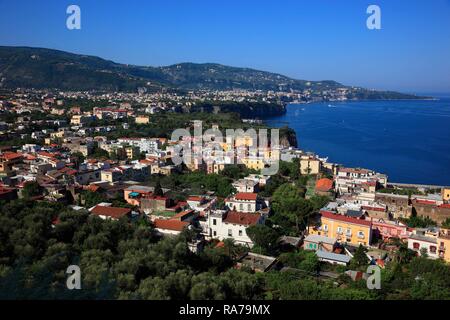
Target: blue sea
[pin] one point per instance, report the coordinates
(407, 140)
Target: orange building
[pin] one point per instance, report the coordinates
(345, 229)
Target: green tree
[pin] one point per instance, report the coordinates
(263, 237)
(31, 189)
(360, 259)
(290, 208)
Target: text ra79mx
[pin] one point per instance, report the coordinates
(242, 309)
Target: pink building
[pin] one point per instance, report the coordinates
(389, 229)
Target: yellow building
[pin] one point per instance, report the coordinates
(443, 242)
(142, 120)
(80, 120)
(255, 163)
(244, 141)
(446, 194)
(309, 165)
(345, 229)
(132, 152)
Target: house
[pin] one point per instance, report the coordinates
(432, 208)
(375, 211)
(261, 179)
(345, 229)
(398, 205)
(445, 194)
(8, 160)
(108, 212)
(444, 244)
(317, 242)
(288, 242)
(200, 203)
(357, 180)
(169, 226)
(246, 186)
(154, 203)
(79, 120)
(244, 202)
(223, 224)
(324, 187)
(424, 240)
(310, 165)
(333, 258)
(142, 120)
(386, 229)
(256, 262)
(87, 176)
(133, 194)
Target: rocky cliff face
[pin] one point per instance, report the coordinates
(288, 137)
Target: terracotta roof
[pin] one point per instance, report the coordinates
(112, 212)
(180, 215)
(445, 205)
(331, 215)
(324, 184)
(242, 218)
(11, 155)
(195, 198)
(171, 224)
(373, 208)
(246, 196)
(46, 154)
(30, 157)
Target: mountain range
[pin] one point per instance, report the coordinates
(39, 68)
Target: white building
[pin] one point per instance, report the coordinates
(243, 202)
(146, 145)
(223, 224)
(244, 185)
(424, 239)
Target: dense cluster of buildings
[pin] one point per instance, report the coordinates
(75, 157)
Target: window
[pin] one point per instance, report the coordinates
(339, 230)
(416, 245)
(230, 232)
(241, 207)
(214, 222)
(214, 233)
(240, 233)
(361, 234)
(249, 207)
(432, 249)
(348, 232)
(325, 227)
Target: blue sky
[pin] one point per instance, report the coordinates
(304, 39)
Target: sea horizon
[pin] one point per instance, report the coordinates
(404, 139)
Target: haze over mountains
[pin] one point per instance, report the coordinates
(41, 68)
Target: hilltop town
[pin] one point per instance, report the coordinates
(86, 161)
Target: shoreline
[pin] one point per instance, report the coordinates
(274, 123)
